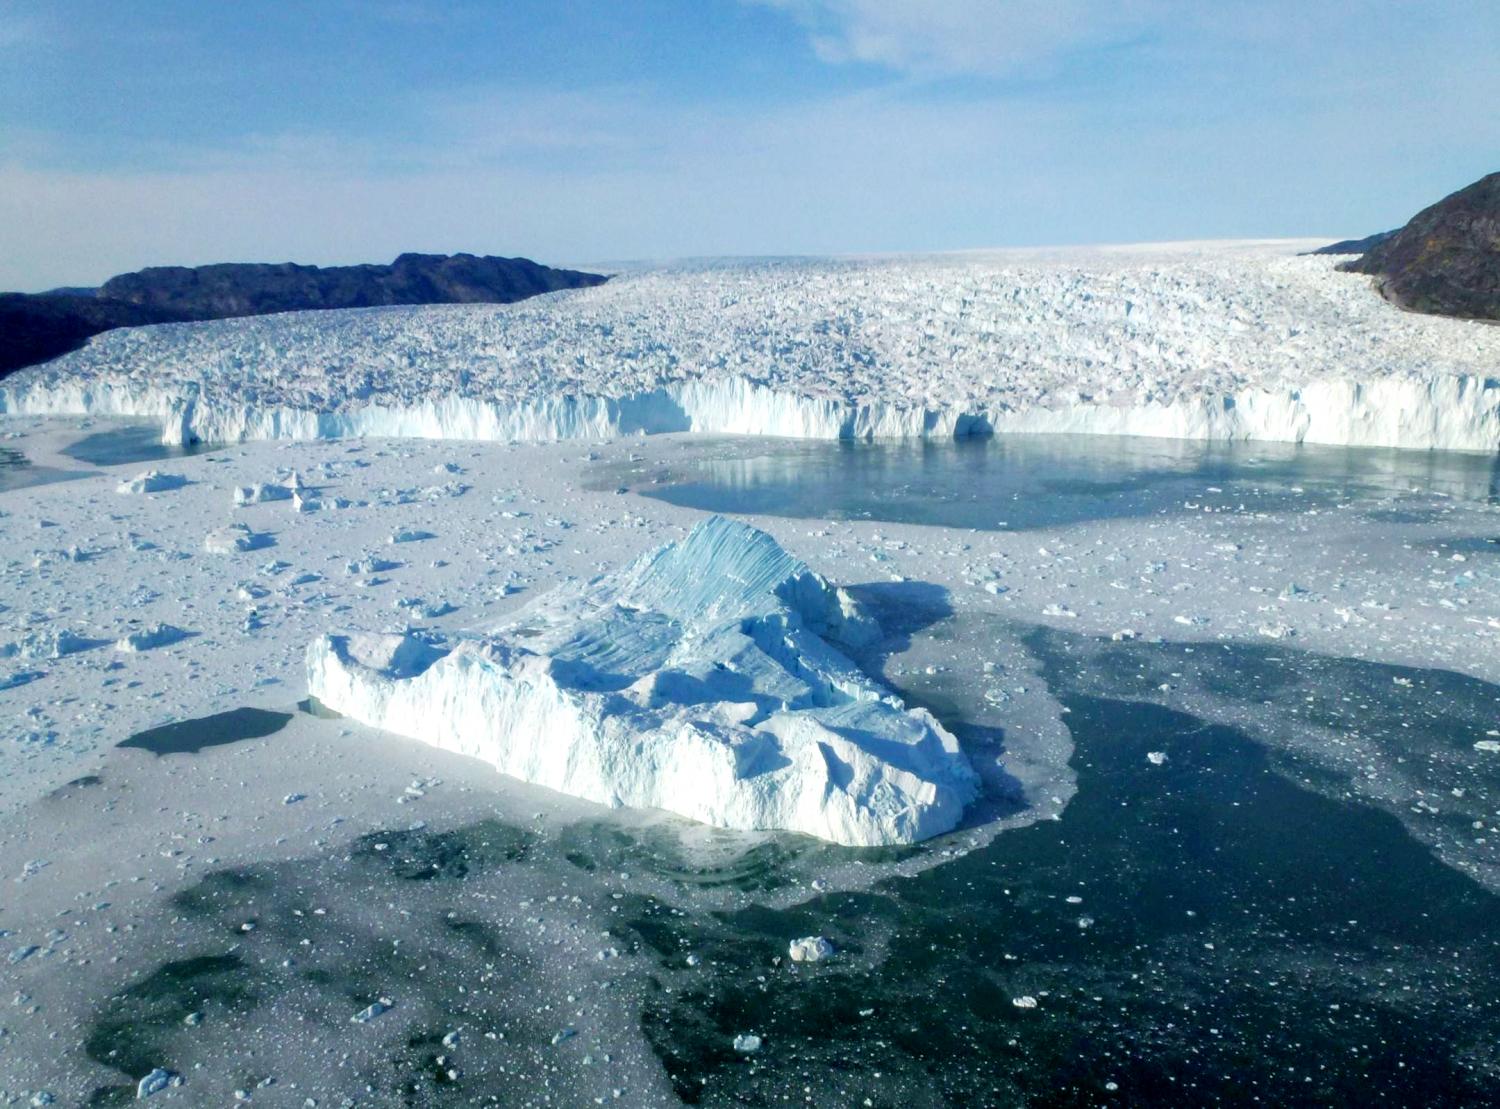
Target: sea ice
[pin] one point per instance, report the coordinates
(705, 678)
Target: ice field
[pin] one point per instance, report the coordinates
(1202, 341)
(431, 737)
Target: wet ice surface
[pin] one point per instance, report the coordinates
(18, 472)
(1272, 879)
(1022, 482)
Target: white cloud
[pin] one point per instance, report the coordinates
(977, 37)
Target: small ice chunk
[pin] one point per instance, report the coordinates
(1156, 758)
(564, 1035)
(373, 1010)
(1025, 1001)
(811, 949)
(234, 538)
(154, 1083)
(260, 493)
(1491, 745)
(47, 643)
(157, 635)
(747, 1043)
(411, 535)
(152, 481)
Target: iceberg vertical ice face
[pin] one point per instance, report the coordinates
(706, 679)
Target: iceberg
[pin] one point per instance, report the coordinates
(708, 678)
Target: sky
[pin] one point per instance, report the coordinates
(336, 131)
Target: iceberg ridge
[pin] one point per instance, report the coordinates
(706, 679)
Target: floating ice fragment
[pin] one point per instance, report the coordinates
(1156, 758)
(411, 535)
(705, 678)
(1025, 1001)
(373, 1010)
(811, 949)
(157, 635)
(154, 1083)
(260, 493)
(1491, 745)
(747, 1043)
(48, 643)
(152, 481)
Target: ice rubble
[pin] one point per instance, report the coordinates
(1207, 341)
(705, 679)
(152, 481)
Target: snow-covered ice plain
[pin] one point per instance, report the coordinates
(1231, 709)
(1217, 341)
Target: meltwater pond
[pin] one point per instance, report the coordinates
(1029, 481)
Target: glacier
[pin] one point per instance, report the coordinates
(707, 678)
(1202, 341)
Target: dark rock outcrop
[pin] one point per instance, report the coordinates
(250, 289)
(1355, 246)
(39, 327)
(1446, 261)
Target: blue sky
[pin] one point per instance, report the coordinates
(150, 132)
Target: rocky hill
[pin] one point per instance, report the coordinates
(1446, 261)
(1355, 246)
(249, 289)
(37, 328)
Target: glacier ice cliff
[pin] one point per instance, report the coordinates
(1220, 341)
(708, 678)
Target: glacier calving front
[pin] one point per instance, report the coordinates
(1228, 342)
(703, 679)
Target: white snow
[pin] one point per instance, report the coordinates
(704, 679)
(1206, 341)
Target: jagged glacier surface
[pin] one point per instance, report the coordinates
(1226, 341)
(705, 679)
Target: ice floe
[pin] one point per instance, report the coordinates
(152, 481)
(146, 639)
(706, 678)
